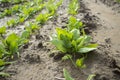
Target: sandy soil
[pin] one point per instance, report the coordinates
(102, 23)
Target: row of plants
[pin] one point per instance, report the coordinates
(31, 9)
(14, 9)
(12, 1)
(10, 45)
(72, 41)
(26, 12)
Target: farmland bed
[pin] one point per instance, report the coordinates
(102, 22)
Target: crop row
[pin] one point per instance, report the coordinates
(12, 1)
(72, 40)
(9, 46)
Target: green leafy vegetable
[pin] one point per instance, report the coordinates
(11, 23)
(2, 30)
(72, 42)
(80, 63)
(31, 27)
(4, 74)
(12, 43)
(68, 76)
(73, 7)
(73, 23)
(42, 18)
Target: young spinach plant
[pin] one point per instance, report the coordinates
(73, 23)
(73, 43)
(73, 7)
(68, 76)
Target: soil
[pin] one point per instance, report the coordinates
(102, 23)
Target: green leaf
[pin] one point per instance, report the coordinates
(73, 7)
(67, 75)
(2, 50)
(22, 41)
(2, 30)
(76, 34)
(2, 62)
(42, 18)
(63, 32)
(59, 44)
(13, 47)
(25, 34)
(88, 48)
(3, 74)
(11, 23)
(66, 57)
(11, 43)
(90, 77)
(12, 37)
(73, 23)
(74, 45)
(80, 62)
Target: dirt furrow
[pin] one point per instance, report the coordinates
(107, 34)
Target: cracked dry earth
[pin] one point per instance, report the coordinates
(102, 23)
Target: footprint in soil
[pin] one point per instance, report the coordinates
(32, 58)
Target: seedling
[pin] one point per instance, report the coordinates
(12, 43)
(73, 23)
(2, 30)
(68, 76)
(11, 23)
(31, 27)
(53, 7)
(42, 18)
(73, 7)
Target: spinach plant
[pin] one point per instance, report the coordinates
(72, 43)
(73, 23)
(12, 43)
(31, 27)
(68, 76)
(42, 18)
(73, 7)
(51, 7)
(2, 30)
(12, 23)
